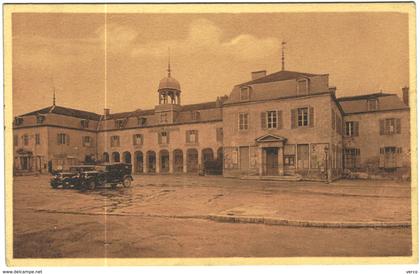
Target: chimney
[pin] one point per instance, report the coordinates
(332, 90)
(406, 96)
(258, 74)
(107, 111)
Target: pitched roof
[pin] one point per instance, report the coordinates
(365, 96)
(199, 106)
(279, 76)
(67, 112)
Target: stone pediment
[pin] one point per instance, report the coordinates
(269, 138)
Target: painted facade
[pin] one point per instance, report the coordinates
(282, 124)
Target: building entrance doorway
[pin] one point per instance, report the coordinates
(272, 161)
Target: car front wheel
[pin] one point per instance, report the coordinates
(127, 182)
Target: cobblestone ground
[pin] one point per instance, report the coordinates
(162, 216)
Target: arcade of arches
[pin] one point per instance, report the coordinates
(165, 161)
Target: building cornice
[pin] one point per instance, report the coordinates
(377, 111)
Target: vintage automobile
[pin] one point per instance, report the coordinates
(69, 178)
(106, 175)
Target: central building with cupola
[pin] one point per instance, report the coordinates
(285, 125)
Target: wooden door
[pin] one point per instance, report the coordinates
(272, 161)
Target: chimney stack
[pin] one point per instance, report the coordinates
(107, 111)
(332, 90)
(406, 96)
(258, 74)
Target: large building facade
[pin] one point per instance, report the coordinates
(282, 124)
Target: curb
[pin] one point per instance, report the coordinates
(253, 220)
(284, 222)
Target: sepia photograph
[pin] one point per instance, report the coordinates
(205, 134)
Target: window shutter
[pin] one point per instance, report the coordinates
(279, 119)
(333, 119)
(381, 127)
(398, 125)
(159, 138)
(58, 139)
(382, 157)
(356, 128)
(293, 115)
(167, 137)
(311, 117)
(264, 120)
(68, 139)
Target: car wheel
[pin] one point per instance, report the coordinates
(91, 185)
(127, 182)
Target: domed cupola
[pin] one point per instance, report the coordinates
(169, 89)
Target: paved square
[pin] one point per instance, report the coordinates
(170, 216)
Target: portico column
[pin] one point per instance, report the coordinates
(260, 161)
(184, 161)
(280, 161)
(171, 164)
(263, 162)
(157, 162)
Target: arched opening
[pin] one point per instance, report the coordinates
(127, 157)
(151, 161)
(116, 157)
(192, 160)
(164, 161)
(138, 163)
(105, 157)
(178, 161)
(207, 155)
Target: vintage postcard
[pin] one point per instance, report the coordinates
(210, 134)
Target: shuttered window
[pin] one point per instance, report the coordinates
(115, 141)
(63, 139)
(352, 129)
(302, 117)
(137, 139)
(243, 121)
(192, 136)
(163, 137)
(390, 126)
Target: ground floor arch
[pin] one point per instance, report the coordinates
(138, 162)
(105, 157)
(151, 161)
(127, 157)
(192, 160)
(116, 157)
(207, 155)
(178, 160)
(164, 161)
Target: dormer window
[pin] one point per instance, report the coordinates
(244, 93)
(195, 115)
(18, 121)
(120, 123)
(372, 104)
(84, 123)
(40, 119)
(302, 87)
(141, 121)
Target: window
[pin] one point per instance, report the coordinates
(272, 119)
(351, 158)
(302, 87)
(219, 134)
(164, 117)
(87, 141)
(15, 140)
(84, 123)
(37, 139)
(390, 157)
(390, 126)
(40, 119)
(352, 129)
(192, 136)
(372, 104)
(303, 117)
(243, 121)
(244, 94)
(163, 137)
(303, 156)
(120, 123)
(115, 141)
(18, 121)
(141, 121)
(289, 160)
(195, 115)
(137, 139)
(63, 139)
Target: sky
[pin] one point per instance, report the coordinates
(94, 61)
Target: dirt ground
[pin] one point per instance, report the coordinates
(159, 216)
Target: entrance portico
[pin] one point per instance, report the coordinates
(271, 153)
